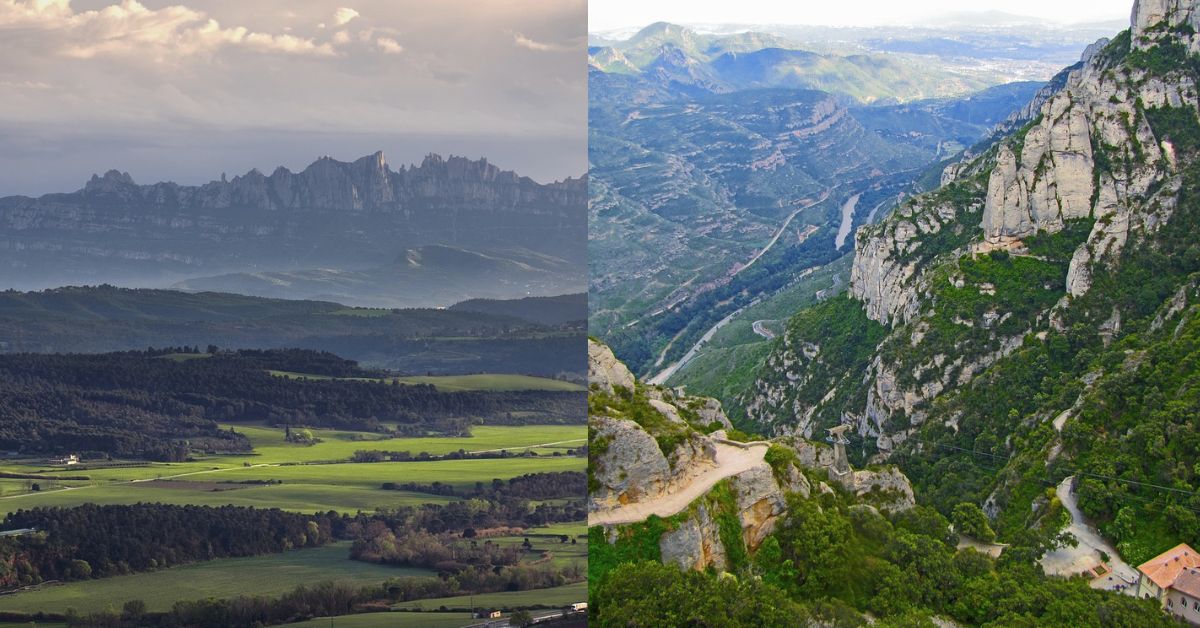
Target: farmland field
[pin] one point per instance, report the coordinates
(222, 578)
(556, 596)
(343, 487)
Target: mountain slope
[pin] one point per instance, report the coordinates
(990, 322)
(332, 215)
(418, 341)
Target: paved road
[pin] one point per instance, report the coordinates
(761, 329)
(1070, 561)
(731, 460)
(665, 374)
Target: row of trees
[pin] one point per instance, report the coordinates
(534, 486)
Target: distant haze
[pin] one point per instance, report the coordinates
(605, 15)
(186, 92)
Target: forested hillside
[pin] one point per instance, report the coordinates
(163, 404)
(414, 341)
(1034, 319)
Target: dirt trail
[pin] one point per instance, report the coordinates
(731, 460)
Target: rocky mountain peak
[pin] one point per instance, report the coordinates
(1151, 17)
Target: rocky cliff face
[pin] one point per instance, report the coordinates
(332, 214)
(628, 466)
(1089, 170)
(605, 371)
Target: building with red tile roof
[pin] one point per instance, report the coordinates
(1173, 578)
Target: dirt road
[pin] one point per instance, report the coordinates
(731, 460)
(1070, 561)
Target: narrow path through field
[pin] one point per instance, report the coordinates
(731, 460)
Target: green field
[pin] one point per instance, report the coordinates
(575, 529)
(460, 383)
(400, 620)
(343, 487)
(556, 596)
(228, 577)
(271, 448)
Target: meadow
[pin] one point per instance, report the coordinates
(343, 486)
(271, 574)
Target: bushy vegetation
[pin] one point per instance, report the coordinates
(836, 559)
(635, 406)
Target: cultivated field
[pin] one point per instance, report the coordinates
(343, 486)
(271, 574)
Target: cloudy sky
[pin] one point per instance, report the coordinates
(184, 92)
(604, 15)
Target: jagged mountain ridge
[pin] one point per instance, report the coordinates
(333, 215)
(367, 183)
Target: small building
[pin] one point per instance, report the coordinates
(67, 460)
(579, 607)
(1173, 578)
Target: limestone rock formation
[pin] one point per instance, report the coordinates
(605, 370)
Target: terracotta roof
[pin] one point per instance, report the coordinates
(1188, 582)
(1165, 568)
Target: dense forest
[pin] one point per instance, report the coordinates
(832, 560)
(415, 341)
(159, 406)
(93, 541)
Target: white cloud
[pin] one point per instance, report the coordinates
(531, 44)
(25, 84)
(341, 38)
(389, 45)
(343, 15)
(130, 28)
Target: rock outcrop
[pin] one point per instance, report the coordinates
(605, 370)
(1085, 152)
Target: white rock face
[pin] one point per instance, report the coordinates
(605, 370)
(631, 468)
(891, 482)
(1148, 14)
(760, 503)
(695, 544)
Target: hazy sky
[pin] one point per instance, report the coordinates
(185, 91)
(613, 14)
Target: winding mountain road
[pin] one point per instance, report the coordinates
(731, 459)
